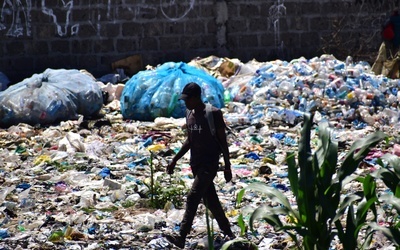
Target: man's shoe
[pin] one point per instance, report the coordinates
(230, 236)
(177, 240)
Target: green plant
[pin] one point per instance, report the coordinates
(127, 204)
(317, 184)
(389, 173)
(151, 186)
(164, 188)
(239, 243)
(210, 228)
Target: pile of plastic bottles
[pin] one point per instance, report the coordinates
(341, 91)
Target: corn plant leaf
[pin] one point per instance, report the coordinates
(347, 202)
(358, 151)
(369, 233)
(348, 241)
(339, 229)
(393, 161)
(270, 192)
(326, 155)
(239, 196)
(306, 199)
(241, 224)
(391, 180)
(393, 234)
(292, 173)
(239, 241)
(363, 208)
(389, 177)
(390, 199)
(270, 214)
(369, 189)
(325, 158)
(334, 189)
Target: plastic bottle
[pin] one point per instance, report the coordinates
(392, 115)
(53, 108)
(227, 96)
(366, 116)
(268, 75)
(351, 97)
(27, 203)
(349, 60)
(237, 119)
(303, 104)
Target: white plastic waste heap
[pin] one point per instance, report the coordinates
(54, 95)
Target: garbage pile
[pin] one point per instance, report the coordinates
(154, 93)
(101, 183)
(52, 96)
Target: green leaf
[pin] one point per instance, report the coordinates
(271, 215)
(239, 241)
(369, 189)
(242, 225)
(358, 151)
(292, 173)
(363, 208)
(306, 198)
(390, 199)
(270, 192)
(326, 154)
(388, 177)
(392, 234)
(393, 160)
(350, 240)
(239, 196)
(347, 202)
(325, 158)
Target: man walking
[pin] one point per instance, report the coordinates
(205, 150)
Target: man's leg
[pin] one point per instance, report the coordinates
(213, 203)
(200, 185)
(203, 180)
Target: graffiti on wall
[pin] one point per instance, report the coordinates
(20, 12)
(15, 15)
(276, 11)
(62, 29)
(377, 2)
(170, 10)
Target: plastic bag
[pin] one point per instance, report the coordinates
(54, 95)
(154, 93)
(4, 81)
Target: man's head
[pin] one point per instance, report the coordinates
(190, 90)
(191, 94)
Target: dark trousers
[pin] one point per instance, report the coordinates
(203, 187)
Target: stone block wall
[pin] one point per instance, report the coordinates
(92, 34)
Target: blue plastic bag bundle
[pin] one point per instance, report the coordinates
(4, 81)
(52, 96)
(154, 93)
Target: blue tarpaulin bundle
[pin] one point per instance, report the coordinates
(4, 81)
(154, 93)
(54, 95)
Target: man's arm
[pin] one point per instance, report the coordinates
(185, 147)
(221, 137)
